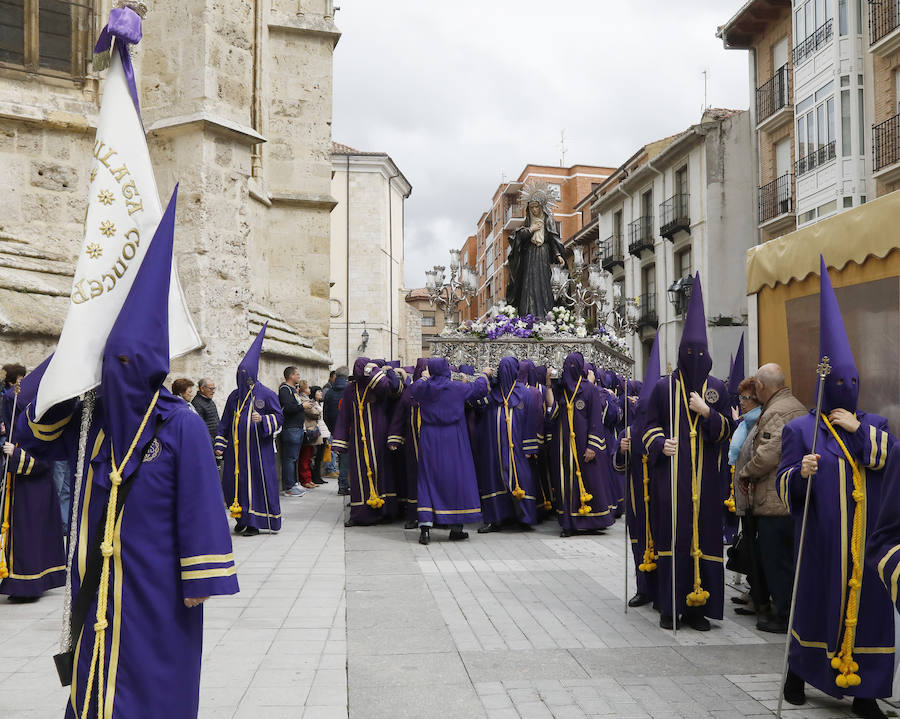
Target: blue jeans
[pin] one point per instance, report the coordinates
(343, 470)
(332, 466)
(63, 491)
(291, 441)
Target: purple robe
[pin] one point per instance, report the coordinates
(508, 431)
(403, 440)
(883, 547)
(35, 554)
(170, 542)
(362, 431)
(710, 448)
(822, 591)
(249, 448)
(587, 424)
(447, 486)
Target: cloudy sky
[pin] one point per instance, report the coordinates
(464, 94)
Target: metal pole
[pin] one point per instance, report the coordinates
(673, 464)
(823, 370)
(627, 487)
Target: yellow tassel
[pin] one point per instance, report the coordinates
(235, 509)
(548, 505)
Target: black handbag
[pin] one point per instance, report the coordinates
(740, 556)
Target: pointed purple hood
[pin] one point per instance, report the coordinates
(573, 370)
(651, 377)
(248, 369)
(694, 361)
(842, 385)
(736, 375)
(136, 355)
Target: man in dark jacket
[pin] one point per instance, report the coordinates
(331, 405)
(206, 408)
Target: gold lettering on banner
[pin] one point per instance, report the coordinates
(119, 173)
(85, 289)
(134, 206)
(129, 190)
(105, 159)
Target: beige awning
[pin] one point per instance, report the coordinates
(851, 236)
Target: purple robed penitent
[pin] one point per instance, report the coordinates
(249, 470)
(508, 422)
(362, 432)
(835, 533)
(171, 540)
(35, 554)
(403, 437)
(699, 462)
(448, 488)
(574, 477)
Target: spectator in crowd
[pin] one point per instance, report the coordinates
(311, 436)
(330, 408)
(205, 407)
(321, 443)
(292, 431)
(739, 452)
(184, 388)
(330, 383)
(775, 526)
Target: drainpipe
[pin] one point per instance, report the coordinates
(391, 260)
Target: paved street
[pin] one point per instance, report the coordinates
(503, 626)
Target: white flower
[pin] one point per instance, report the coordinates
(581, 331)
(491, 326)
(521, 325)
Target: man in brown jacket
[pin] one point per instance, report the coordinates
(774, 522)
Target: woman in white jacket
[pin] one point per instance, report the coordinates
(324, 438)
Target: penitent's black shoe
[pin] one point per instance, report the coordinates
(773, 625)
(794, 690)
(424, 535)
(696, 621)
(639, 600)
(867, 709)
(411, 524)
(457, 535)
(488, 528)
(665, 621)
(239, 527)
(250, 532)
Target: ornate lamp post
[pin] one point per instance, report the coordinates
(448, 295)
(573, 292)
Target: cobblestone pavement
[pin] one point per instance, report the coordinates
(505, 626)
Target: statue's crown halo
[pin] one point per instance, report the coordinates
(539, 191)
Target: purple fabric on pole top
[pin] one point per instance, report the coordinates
(842, 385)
(694, 361)
(124, 24)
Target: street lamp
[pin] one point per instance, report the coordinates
(448, 294)
(680, 293)
(365, 340)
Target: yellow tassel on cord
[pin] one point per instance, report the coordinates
(729, 503)
(4, 528)
(843, 661)
(374, 501)
(517, 492)
(699, 596)
(235, 508)
(649, 561)
(585, 496)
(98, 660)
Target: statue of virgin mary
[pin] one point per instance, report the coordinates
(533, 248)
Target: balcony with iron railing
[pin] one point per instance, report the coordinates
(675, 215)
(640, 235)
(884, 26)
(776, 200)
(647, 316)
(813, 43)
(886, 149)
(514, 216)
(816, 158)
(611, 253)
(773, 99)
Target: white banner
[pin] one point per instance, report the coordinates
(123, 212)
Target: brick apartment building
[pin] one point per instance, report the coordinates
(489, 246)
